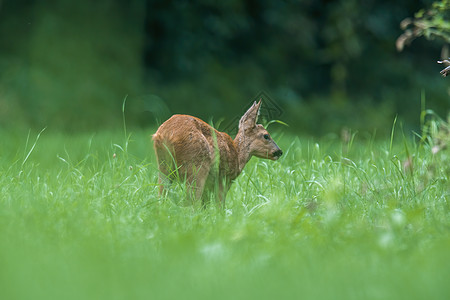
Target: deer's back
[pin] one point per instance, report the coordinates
(193, 143)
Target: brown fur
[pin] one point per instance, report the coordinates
(189, 149)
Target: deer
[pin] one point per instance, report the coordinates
(190, 149)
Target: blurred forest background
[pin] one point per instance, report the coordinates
(328, 64)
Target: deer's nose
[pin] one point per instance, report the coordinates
(278, 153)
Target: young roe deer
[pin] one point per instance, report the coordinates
(208, 160)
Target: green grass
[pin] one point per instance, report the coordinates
(330, 220)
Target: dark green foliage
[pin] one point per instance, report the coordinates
(69, 64)
(431, 23)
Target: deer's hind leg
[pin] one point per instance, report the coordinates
(196, 182)
(164, 177)
(166, 166)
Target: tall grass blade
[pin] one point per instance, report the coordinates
(32, 147)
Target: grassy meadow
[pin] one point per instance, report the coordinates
(358, 218)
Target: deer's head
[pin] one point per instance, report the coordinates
(255, 138)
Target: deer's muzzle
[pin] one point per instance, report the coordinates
(276, 155)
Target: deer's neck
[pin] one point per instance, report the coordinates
(243, 149)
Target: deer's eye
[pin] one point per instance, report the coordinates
(266, 137)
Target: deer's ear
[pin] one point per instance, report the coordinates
(250, 118)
